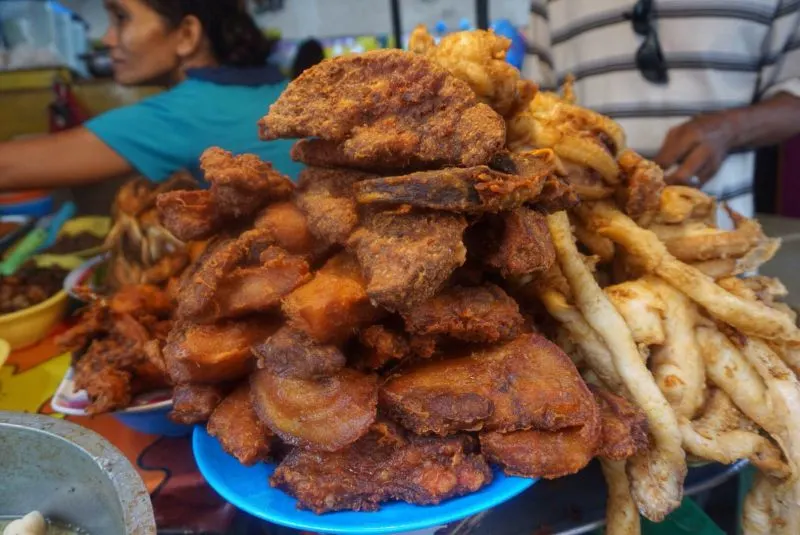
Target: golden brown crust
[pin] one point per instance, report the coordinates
(292, 353)
(193, 404)
(189, 214)
(322, 414)
(380, 106)
(237, 427)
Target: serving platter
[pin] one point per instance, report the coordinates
(248, 489)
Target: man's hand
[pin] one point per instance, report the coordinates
(698, 147)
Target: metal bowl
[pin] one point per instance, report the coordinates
(72, 475)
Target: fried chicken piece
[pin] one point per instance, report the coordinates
(242, 184)
(509, 181)
(193, 404)
(291, 230)
(237, 427)
(211, 354)
(260, 289)
(479, 58)
(526, 383)
(325, 413)
(379, 346)
(140, 299)
(291, 352)
(189, 214)
(407, 257)
(334, 304)
(514, 243)
(385, 465)
(624, 426)
(644, 182)
(482, 314)
(388, 107)
(326, 196)
(547, 454)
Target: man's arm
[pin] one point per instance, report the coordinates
(72, 158)
(699, 146)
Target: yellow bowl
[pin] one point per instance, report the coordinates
(5, 351)
(30, 325)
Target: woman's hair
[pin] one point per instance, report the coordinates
(235, 39)
(309, 54)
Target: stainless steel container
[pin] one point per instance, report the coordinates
(70, 474)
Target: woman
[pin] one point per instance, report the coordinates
(210, 55)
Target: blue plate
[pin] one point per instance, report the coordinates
(248, 489)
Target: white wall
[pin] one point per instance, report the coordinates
(321, 18)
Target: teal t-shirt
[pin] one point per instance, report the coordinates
(169, 131)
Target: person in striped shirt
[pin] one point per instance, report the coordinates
(696, 84)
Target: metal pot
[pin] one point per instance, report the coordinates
(70, 474)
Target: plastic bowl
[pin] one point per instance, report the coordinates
(35, 207)
(5, 351)
(30, 325)
(153, 422)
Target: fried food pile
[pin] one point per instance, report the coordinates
(116, 346)
(359, 328)
(471, 273)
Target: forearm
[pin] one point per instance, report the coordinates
(72, 158)
(769, 122)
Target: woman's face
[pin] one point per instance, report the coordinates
(143, 48)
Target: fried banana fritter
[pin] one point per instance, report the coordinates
(193, 404)
(390, 108)
(523, 384)
(386, 464)
(325, 413)
(291, 229)
(407, 257)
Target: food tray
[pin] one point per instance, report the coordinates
(248, 489)
(148, 413)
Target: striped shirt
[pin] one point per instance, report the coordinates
(720, 54)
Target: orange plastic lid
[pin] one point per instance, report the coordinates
(14, 197)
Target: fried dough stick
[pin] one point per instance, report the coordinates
(622, 518)
(657, 475)
(751, 318)
(677, 365)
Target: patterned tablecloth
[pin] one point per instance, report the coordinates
(181, 498)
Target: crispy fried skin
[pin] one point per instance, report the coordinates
(242, 184)
(326, 196)
(523, 384)
(406, 257)
(260, 289)
(227, 282)
(624, 426)
(291, 352)
(521, 244)
(237, 427)
(189, 214)
(483, 314)
(193, 404)
(210, 354)
(379, 346)
(389, 107)
(547, 454)
(320, 153)
(291, 229)
(386, 464)
(508, 182)
(326, 413)
(334, 304)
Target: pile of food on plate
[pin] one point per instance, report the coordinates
(469, 273)
(116, 341)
